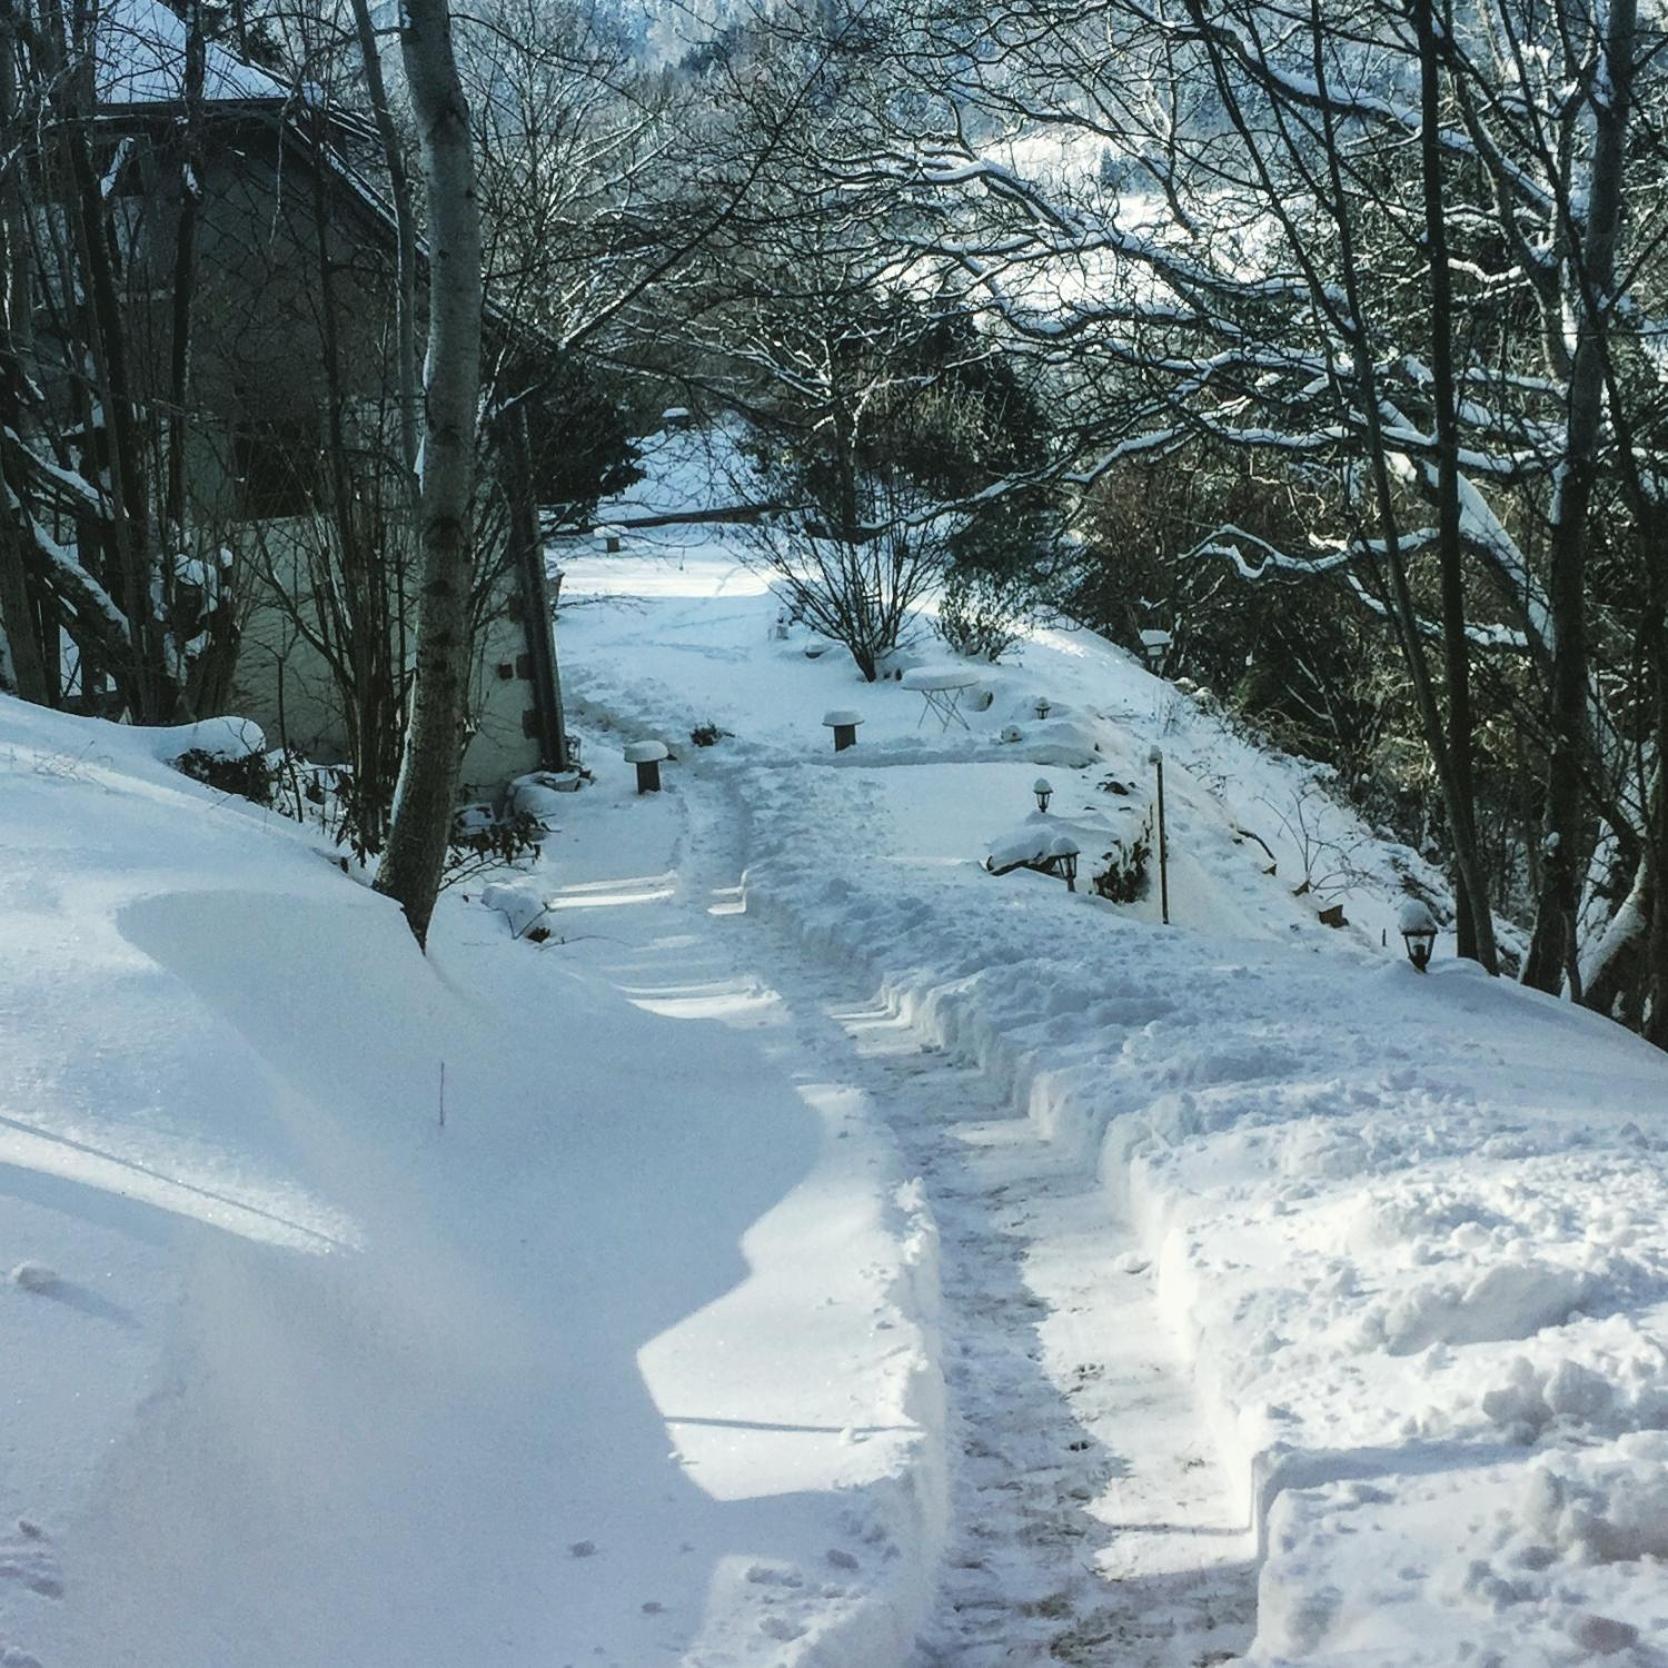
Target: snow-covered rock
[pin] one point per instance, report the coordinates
(543, 794)
(522, 903)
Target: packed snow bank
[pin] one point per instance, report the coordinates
(1410, 1229)
(510, 1305)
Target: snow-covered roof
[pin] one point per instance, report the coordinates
(140, 48)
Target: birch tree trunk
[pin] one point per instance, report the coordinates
(425, 798)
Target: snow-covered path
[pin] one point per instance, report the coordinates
(1089, 1513)
(1091, 1519)
(1405, 1232)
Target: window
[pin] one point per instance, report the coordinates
(279, 466)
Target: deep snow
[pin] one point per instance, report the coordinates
(833, 1252)
(620, 1365)
(1406, 1233)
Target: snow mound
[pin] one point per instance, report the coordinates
(1605, 1505)
(520, 902)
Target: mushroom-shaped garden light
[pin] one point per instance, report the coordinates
(646, 755)
(1044, 790)
(1418, 929)
(844, 725)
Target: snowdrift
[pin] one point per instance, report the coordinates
(372, 1309)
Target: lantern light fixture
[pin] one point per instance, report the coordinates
(1418, 930)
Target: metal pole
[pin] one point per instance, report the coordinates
(1157, 758)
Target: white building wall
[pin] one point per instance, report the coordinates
(284, 683)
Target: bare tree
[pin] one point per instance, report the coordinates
(424, 802)
(1205, 224)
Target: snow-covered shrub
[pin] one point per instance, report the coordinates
(543, 795)
(857, 581)
(284, 781)
(1123, 876)
(248, 775)
(522, 905)
(983, 614)
(478, 845)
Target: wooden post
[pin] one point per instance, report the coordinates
(1157, 758)
(844, 725)
(646, 756)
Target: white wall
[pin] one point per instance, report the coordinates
(285, 685)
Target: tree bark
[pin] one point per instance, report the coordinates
(1618, 966)
(22, 664)
(1654, 529)
(1552, 950)
(143, 676)
(425, 800)
(405, 232)
(1450, 552)
(22, 668)
(185, 274)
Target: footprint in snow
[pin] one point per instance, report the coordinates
(774, 1575)
(30, 1561)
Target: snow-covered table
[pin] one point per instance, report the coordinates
(941, 689)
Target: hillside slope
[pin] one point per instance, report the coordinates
(1406, 1231)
